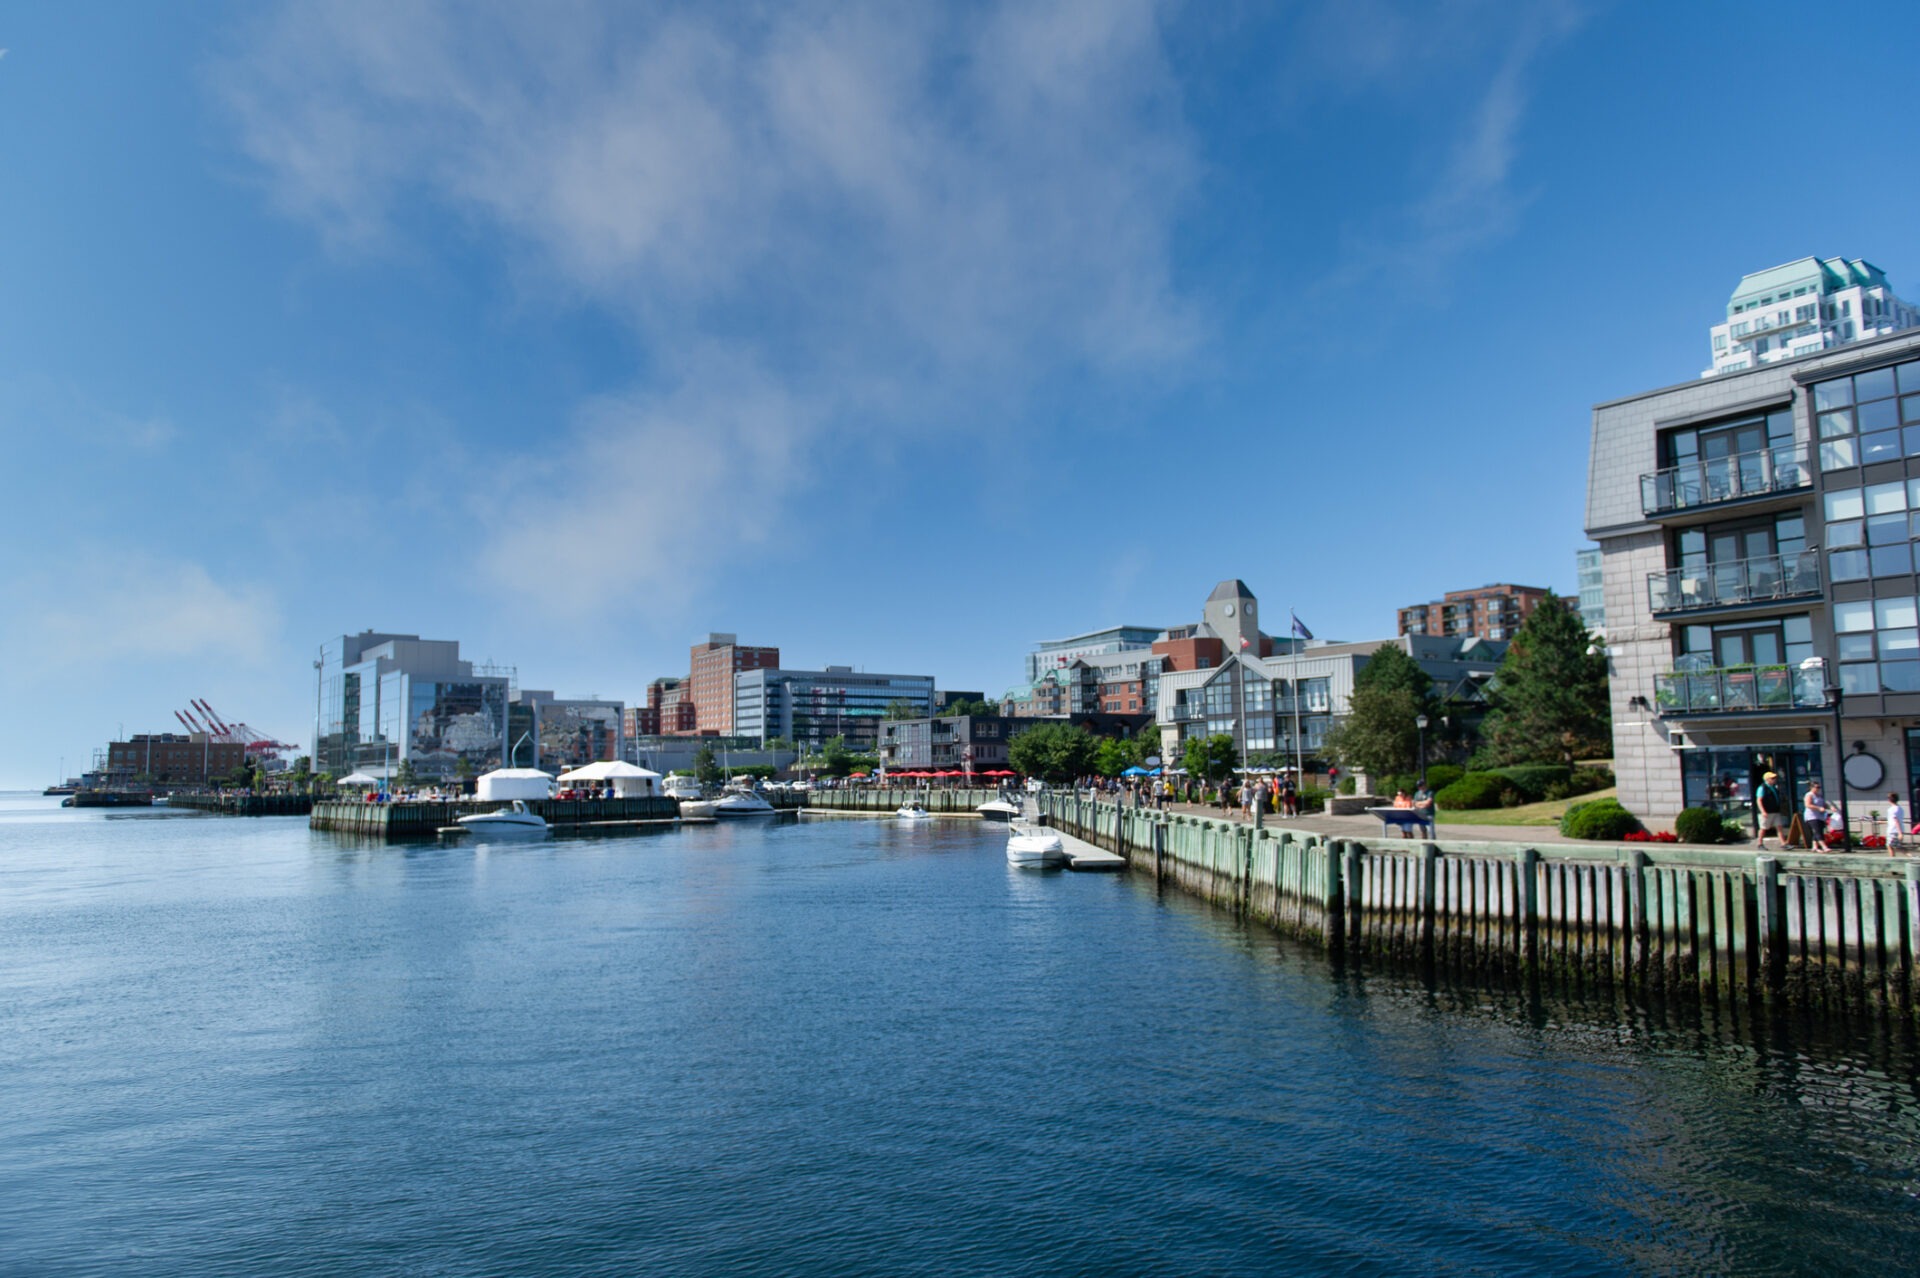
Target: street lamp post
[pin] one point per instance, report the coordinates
(1835, 696)
(1420, 722)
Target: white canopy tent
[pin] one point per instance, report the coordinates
(361, 780)
(629, 781)
(514, 783)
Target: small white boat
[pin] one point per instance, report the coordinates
(1031, 847)
(741, 803)
(999, 810)
(697, 809)
(912, 812)
(514, 818)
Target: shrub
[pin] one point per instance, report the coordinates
(1531, 780)
(1442, 775)
(1314, 799)
(1347, 785)
(1598, 819)
(1700, 825)
(1478, 790)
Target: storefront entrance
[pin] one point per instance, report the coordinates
(1725, 778)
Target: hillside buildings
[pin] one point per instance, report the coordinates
(1805, 307)
(1486, 612)
(1283, 697)
(1757, 537)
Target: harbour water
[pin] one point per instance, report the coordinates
(841, 1046)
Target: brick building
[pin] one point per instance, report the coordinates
(174, 758)
(711, 668)
(1487, 612)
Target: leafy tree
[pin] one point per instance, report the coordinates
(1390, 668)
(302, 775)
(1378, 734)
(1549, 697)
(965, 707)
(706, 766)
(404, 776)
(779, 743)
(1113, 757)
(903, 710)
(1212, 758)
(1053, 752)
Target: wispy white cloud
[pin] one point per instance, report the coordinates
(814, 216)
(101, 606)
(1471, 198)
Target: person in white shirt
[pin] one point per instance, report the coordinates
(1896, 821)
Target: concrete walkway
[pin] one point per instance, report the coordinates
(1366, 826)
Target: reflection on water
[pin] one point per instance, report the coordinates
(235, 1046)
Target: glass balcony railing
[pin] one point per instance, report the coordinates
(1740, 689)
(1742, 581)
(1711, 480)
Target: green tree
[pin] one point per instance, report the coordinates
(1113, 756)
(1549, 698)
(1378, 734)
(405, 776)
(706, 766)
(1053, 752)
(302, 775)
(1211, 758)
(903, 710)
(965, 707)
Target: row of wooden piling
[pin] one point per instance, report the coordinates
(1837, 931)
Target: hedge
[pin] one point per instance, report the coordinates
(1478, 790)
(1704, 825)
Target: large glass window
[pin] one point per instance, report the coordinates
(1870, 531)
(1868, 417)
(1878, 643)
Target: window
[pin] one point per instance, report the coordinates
(1878, 644)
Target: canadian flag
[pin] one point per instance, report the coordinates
(1245, 643)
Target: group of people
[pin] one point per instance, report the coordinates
(1821, 821)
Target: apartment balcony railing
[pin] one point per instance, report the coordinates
(1743, 581)
(1740, 690)
(1710, 481)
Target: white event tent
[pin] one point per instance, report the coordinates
(629, 781)
(514, 783)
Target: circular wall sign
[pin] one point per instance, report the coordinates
(1863, 771)
(1228, 610)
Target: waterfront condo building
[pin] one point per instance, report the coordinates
(1591, 591)
(1486, 612)
(711, 668)
(385, 699)
(811, 707)
(1805, 307)
(963, 743)
(1757, 534)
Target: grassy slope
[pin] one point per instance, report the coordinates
(1548, 813)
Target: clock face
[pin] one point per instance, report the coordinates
(1863, 771)
(1229, 610)
(1249, 607)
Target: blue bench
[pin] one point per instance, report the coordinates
(1409, 821)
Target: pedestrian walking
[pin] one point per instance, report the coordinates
(1769, 812)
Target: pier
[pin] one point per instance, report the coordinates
(1826, 931)
(244, 804)
(425, 820)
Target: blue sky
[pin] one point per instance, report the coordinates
(894, 335)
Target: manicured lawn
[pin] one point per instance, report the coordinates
(1548, 813)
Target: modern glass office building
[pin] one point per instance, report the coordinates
(384, 699)
(811, 707)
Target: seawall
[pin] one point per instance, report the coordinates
(1825, 931)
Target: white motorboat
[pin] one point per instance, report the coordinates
(697, 809)
(512, 819)
(999, 810)
(741, 803)
(912, 811)
(1031, 847)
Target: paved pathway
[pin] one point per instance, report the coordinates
(1364, 825)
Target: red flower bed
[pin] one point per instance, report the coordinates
(1652, 836)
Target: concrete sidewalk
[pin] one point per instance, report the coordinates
(1365, 826)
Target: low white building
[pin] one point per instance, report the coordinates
(1803, 307)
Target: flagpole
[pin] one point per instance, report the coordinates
(1299, 771)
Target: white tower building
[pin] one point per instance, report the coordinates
(1806, 306)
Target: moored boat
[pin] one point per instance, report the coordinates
(1031, 847)
(515, 818)
(741, 803)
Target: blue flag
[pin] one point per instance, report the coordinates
(1299, 627)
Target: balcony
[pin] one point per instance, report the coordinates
(1720, 480)
(1740, 583)
(1739, 690)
